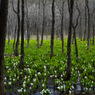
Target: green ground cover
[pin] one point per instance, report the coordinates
(39, 67)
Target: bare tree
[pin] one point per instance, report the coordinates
(3, 28)
(68, 71)
(93, 20)
(85, 31)
(18, 31)
(43, 24)
(14, 37)
(62, 15)
(22, 38)
(27, 23)
(88, 38)
(52, 31)
(74, 33)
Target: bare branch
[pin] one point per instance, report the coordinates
(13, 8)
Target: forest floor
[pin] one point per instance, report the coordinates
(44, 75)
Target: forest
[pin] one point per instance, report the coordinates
(47, 47)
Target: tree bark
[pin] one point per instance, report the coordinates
(80, 33)
(38, 28)
(18, 31)
(93, 20)
(52, 31)
(3, 28)
(74, 33)
(14, 38)
(8, 32)
(62, 38)
(22, 37)
(85, 31)
(43, 25)
(88, 38)
(28, 32)
(68, 71)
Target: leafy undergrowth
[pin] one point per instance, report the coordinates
(39, 68)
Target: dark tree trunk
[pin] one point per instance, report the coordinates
(93, 33)
(22, 37)
(88, 38)
(18, 31)
(62, 38)
(43, 25)
(3, 28)
(28, 32)
(47, 30)
(14, 38)
(47, 25)
(76, 49)
(85, 31)
(37, 38)
(93, 21)
(52, 31)
(80, 33)
(8, 32)
(74, 33)
(68, 71)
(38, 28)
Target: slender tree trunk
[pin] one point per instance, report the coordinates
(47, 24)
(85, 31)
(47, 30)
(52, 31)
(8, 32)
(3, 29)
(76, 44)
(28, 32)
(80, 35)
(93, 33)
(14, 38)
(68, 71)
(93, 21)
(74, 33)
(37, 38)
(62, 38)
(43, 25)
(88, 38)
(18, 31)
(38, 28)
(22, 37)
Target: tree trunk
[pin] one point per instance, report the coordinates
(28, 32)
(80, 35)
(14, 38)
(37, 38)
(88, 38)
(52, 31)
(68, 71)
(93, 20)
(43, 25)
(85, 31)
(76, 44)
(38, 28)
(47, 24)
(22, 37)
(8, 32)
(62, 39)
(3, 28)
(18, 31)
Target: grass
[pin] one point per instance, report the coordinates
(39, 67)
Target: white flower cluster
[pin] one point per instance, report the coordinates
(60, 87)
(27, 70)
(20, 90)
(45, 92)
(24, 84)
